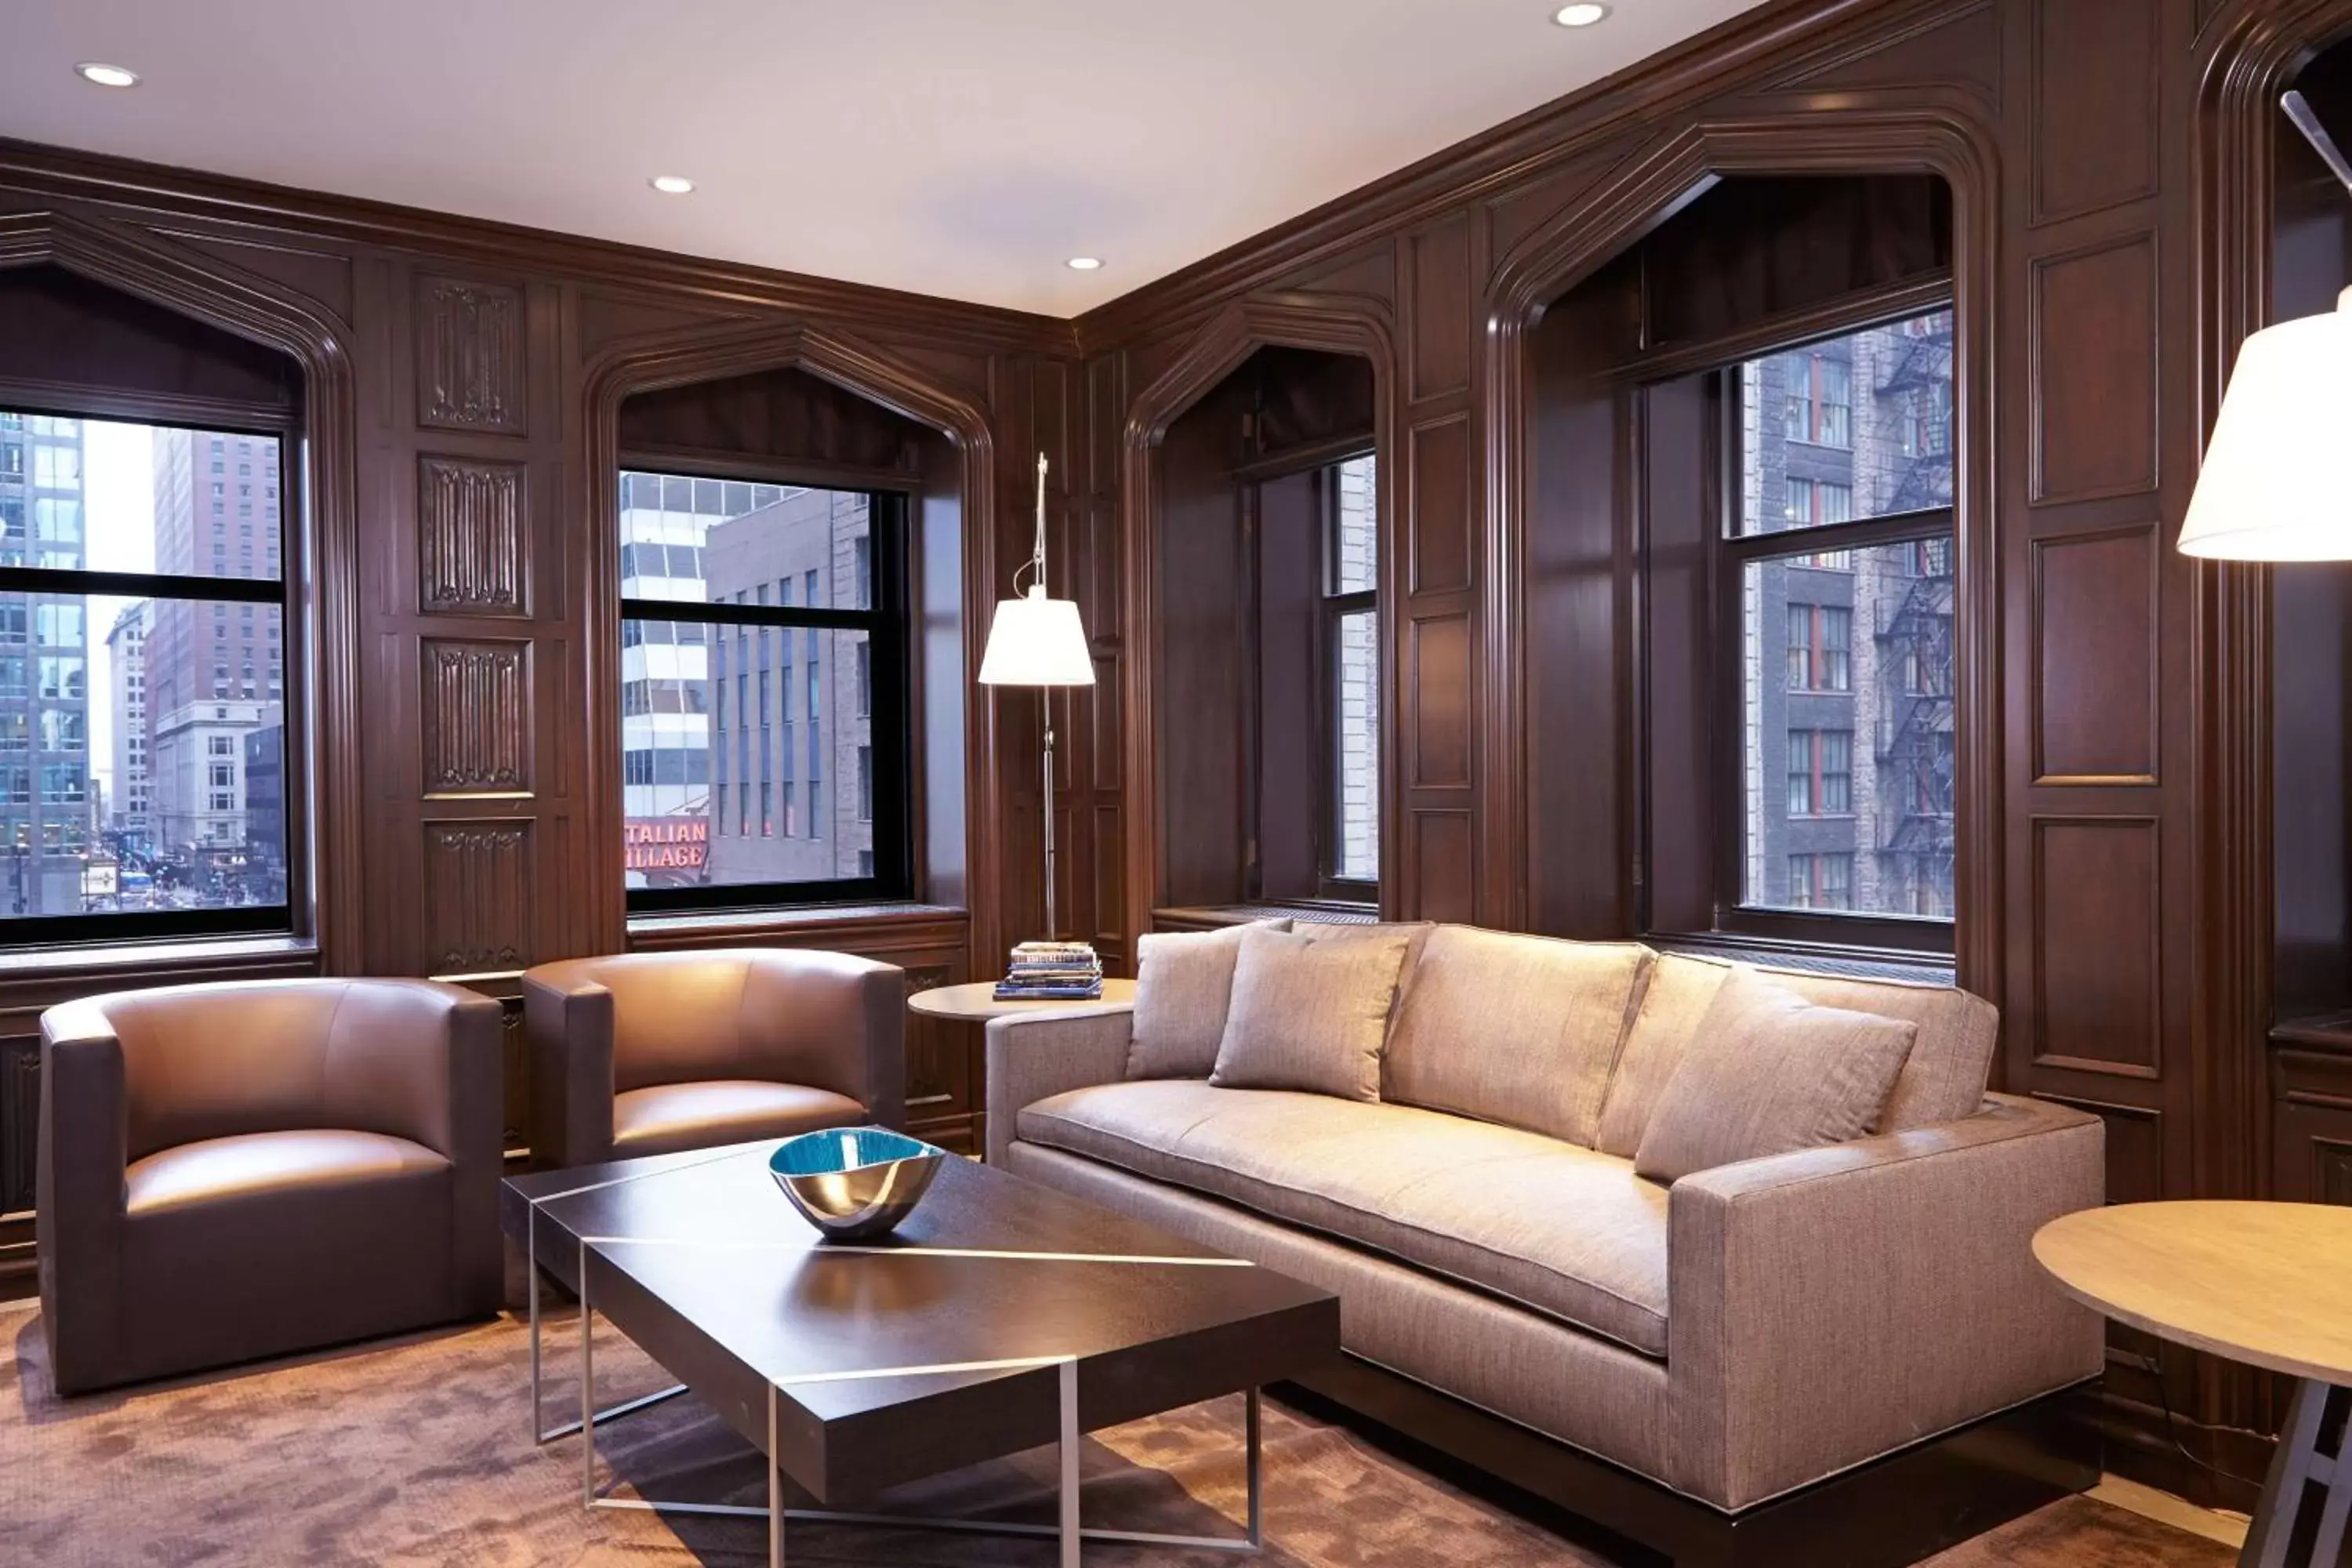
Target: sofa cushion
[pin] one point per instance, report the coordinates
(1183, 984)
(1942, 1080)
(1770, 1073)
(1559, 1230)
(1522, 1030)
(669, 1117)
(255, 1165)
(1311, 1012)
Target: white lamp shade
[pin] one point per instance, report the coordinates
(2277, 484)
(1036, 641)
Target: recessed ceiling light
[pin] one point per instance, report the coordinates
(1581, 14)
(1086, 263)
(672, 185)
(102, 75)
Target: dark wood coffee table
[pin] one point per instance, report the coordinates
(1002, 1316)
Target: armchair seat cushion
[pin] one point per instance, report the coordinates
(1560, 1230)
(254, 1165)
(669, 1117)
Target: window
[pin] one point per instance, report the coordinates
(126, 573)
(1821, 881)
(1352, 620)
(1820, 655)
(751, 573)
(1829, 609)
(1818, 396)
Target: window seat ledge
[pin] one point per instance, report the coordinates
(135, 957)
(648, 931)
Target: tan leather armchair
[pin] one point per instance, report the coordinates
(650, 1053)
(235, 1171)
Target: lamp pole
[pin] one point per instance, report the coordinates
(1045, 721)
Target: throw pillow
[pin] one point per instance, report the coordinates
(1768, 1072)
(1183, 981)
(1311, 1013)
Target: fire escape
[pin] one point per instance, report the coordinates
(1921, 373)
(1914, 635)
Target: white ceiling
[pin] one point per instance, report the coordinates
(963, 148)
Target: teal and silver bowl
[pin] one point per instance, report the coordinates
(857, 1182)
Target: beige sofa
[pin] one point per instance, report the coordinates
(1751, 1330)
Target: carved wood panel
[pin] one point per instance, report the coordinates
(478, 892)
(472, 538)
(469, 356)
(2096, 690)
(476, 712)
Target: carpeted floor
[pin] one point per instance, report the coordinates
(417, 1452)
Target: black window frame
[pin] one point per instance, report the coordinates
(291, 918)
(1729, 555)
(888, 622)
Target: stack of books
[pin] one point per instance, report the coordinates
(1052, 971)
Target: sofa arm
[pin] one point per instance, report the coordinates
(567, 1019)
(78, 1191)
(1830, 1305)
(1035, 1056)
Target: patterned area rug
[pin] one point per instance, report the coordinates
(417, 1451)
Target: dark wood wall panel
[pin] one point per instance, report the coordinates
(2094, 105)
(1439, 357)
(2096, 1001)
(1439, 853)
(1437, 679)
(2097, 664)
(2094, 369)
(1441, 548)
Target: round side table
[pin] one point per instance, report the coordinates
(2261, 1283)
(977, 1003)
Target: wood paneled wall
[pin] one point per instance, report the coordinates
(2109, 166)
(463, 387)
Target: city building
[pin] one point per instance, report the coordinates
(792, 756)
(44, 672)
(264, 783)
(133, 802)
(707, 540)
(213, 669)
(664, 730)
(1847, 653)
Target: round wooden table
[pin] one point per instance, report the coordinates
(2260, 1283)
(977, 1003)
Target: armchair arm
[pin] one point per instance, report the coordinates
(1035, 1056)
(78, 1191)
(831, 1020)
(1835, 1303)
(420, 1059)
(424, 1060)
(568, 1020)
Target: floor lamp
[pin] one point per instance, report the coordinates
(1038, 641)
